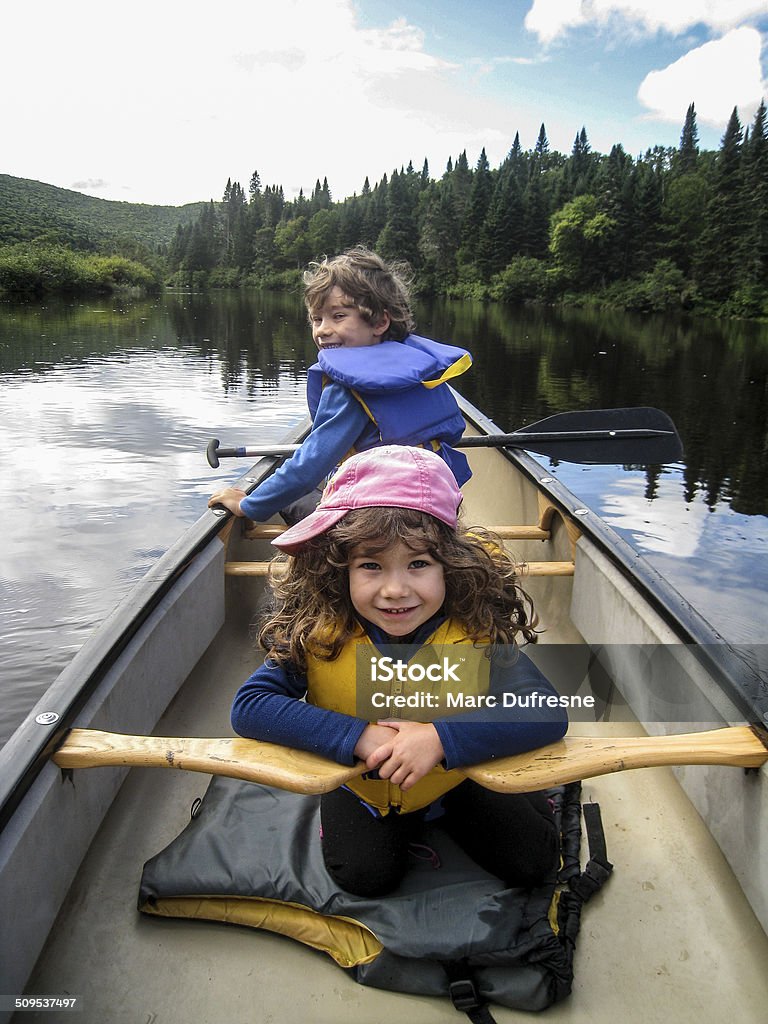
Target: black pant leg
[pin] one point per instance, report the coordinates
(364, 855)
(301, 508)
(512, 835)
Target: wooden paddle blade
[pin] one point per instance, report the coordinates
(237, 758)
(583, 757)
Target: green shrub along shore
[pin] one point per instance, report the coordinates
(674, 229)
(30, 270)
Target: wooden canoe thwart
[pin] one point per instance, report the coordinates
(577, 757)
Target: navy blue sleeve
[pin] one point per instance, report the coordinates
(270, 706)
(503, 731)
(339, 422)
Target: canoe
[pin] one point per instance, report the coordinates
(679, 933)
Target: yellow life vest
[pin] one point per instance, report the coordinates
(334, 685)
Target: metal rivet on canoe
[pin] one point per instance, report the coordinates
(47, 718)
(547, 480)
(581, 511)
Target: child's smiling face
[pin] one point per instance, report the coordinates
(397, 589)
(339, 324)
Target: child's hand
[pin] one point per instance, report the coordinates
(372, 738)
(406, 758)
(230, 498)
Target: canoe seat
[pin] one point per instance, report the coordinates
(263, 531)
(530, 568)
(537, 531)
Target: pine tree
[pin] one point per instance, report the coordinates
(756, 202)
(439, 238)
(480, 195)
(688, 151)
(541, 148)
(502, 234)
(399, 237)
(461, 182)
(580, 165)
(719, 259)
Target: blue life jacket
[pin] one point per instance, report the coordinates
(402, 387)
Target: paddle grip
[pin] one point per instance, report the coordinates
(214, 453)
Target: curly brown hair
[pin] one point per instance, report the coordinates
(314, 612)
(373, 286)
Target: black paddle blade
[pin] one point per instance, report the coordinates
(637, 436)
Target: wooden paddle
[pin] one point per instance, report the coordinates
(599, 436)
(577, 757)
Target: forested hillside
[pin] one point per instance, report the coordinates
(675, 228)
(31, 210)
(54, 241)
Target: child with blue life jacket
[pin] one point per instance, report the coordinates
(383, 567)
(374, 383)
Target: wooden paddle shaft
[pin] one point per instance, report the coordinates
(237, 758)
(578, 757)
(583, 757)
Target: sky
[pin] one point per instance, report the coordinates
(163, 101)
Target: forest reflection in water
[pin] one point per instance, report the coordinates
(107, 408)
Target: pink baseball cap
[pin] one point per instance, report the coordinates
(393, 476)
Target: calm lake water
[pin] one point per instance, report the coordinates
(107, 409)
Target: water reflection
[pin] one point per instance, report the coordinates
(107, 409)
(711, 377)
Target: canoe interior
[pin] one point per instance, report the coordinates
(675, 935)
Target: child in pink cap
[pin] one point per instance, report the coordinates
(382, 574)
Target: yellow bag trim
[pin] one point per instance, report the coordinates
(454, 370)
(347, 941)
(552, 913)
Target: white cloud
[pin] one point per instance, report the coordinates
(551, 19)
(717, 76)
(162, 102)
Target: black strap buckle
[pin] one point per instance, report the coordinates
(464, 995)
(591, 880)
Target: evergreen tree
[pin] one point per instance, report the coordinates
(202, 252)
(541, 149)
(615, 188)
(502, 235)
(580, 164)
(756, 201)
(688, 150)
(439, 239)
(399, 238)
(461, 181)
(480, 195)
(535, 218)
(646, 223)
(719, 260)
